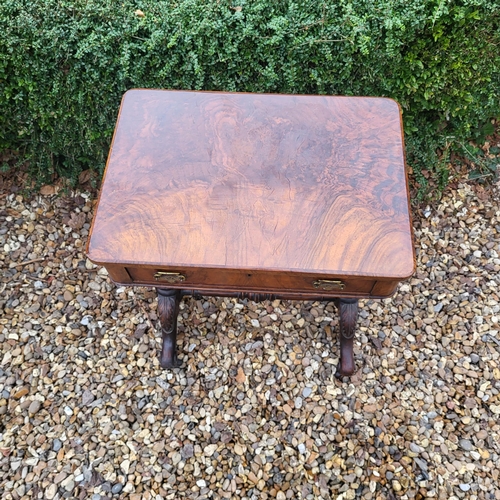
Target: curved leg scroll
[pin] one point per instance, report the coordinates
(348, 314)
(168, 310)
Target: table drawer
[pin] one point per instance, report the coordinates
(247, 280)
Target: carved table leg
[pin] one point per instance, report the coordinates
(348, 314)
(168, 310)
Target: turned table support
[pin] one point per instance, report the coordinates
(348, 316)
(168, 310)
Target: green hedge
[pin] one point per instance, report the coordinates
(64, 64)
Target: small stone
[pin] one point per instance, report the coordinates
(34, 407)
(306, 392)
(56, 445)
(187, 451)
(218, 392)
(87, 397)
(438, 307)
(465, 444)
(396, 485)
(140, 330)
(51, 491)
(240, 376)
(15, 465)
(210, 450)
(422, 464)
(252, 477)
(21, 392)
(482, 434)
(475, 358)
(61, 476)
(163, 383)
(201, 483)
(416, 448)
(85, 321)
(68, 411)
(465, 487)
(68, 296)
(117, 488)
(302, 448)
(69, 483)
(125, 466)
(298, 403)
(106, 486)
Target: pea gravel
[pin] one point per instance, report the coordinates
(255, 412)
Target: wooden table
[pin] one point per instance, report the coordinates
(258, 196)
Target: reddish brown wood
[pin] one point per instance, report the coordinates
(354, 287)
(247, 279)
(168, 310)
(348, 315)
(292, 184)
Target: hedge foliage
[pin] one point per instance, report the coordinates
(64, 64)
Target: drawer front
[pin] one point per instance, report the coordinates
(197, 278)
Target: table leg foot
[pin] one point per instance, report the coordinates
(168, 310)
(348, 314)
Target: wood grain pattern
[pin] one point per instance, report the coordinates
(250, 280)
(266, 283)
(292, 184)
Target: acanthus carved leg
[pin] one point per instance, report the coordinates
(168, 310)
(348, 315)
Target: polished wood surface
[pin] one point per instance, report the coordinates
(252, 280)
(204, 183)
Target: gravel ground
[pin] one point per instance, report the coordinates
(255, 412)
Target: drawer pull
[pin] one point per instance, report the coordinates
(328, 284)
(169, 277)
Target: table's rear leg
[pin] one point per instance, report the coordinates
(168, 310)
(348, 315)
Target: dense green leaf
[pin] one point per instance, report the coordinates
(64, 65)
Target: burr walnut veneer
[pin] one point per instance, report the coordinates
(255, 195)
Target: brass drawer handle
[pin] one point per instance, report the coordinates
(329, 284)
(169, 277)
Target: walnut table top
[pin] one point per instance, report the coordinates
(249, 182)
